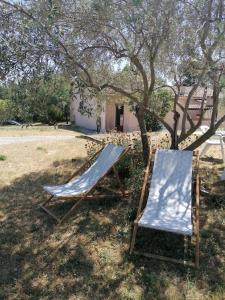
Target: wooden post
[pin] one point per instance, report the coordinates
(132, 242)
(146, 176)
(48, 200)
(185, 247)
(118, 180)
(70, 211)
(197, 222)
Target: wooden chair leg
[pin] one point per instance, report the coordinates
(198, 182)
(185, 247)
(70, 211)
(119, 181)
(133, 238)
(197, 251)
(48, 200)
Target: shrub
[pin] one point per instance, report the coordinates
(161, 103)
(131, 167)
(152, 123)
(2, 157)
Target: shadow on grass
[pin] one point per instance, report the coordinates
(87, 257)
(212, 160)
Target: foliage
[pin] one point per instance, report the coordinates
(6, 110)
(162, 103)
(92, 50)
(2, 157)
(4, 92)
(41, 99)
(130, 168)
(188, 80)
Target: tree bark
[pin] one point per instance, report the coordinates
(144, 137)
(201, 140)
(174, 137)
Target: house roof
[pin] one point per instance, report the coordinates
(185, 90)
(198, 106)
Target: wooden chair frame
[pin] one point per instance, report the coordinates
(89, 194)
(195, 216)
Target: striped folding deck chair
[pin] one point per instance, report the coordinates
(169, 203)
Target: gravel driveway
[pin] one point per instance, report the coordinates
(7, 140)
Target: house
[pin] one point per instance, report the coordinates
(194, 109)
(116, 114)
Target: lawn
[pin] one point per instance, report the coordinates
(87, 257)
(33, 130)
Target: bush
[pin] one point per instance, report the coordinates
(152, 123)
(2, 157)
(131, 167)
(161, 104)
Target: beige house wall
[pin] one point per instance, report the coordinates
(130, 121)
(83, 120)
(194, 114)
(110, 115)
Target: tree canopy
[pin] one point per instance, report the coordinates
(91, 41)
(43, 99)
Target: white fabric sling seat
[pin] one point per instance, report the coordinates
(169, 201)
(81, 187)
(107, 158)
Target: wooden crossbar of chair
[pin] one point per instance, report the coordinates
(87, 195)
(195, 217)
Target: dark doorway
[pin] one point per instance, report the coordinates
(119, 117)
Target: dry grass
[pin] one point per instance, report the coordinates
(24, 158)
(86, 258)
(34, 130)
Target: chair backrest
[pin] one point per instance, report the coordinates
(106, 159)
(104, 162)
(170, 195)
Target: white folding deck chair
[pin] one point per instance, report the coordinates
(215, 140)
(169, 202)
(81, 187)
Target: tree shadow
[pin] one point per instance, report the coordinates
(211, 159)
(87, 257)
(29, 237)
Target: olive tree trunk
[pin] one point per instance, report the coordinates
(144, 136)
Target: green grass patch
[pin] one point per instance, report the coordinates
(2, 157)
(41, 149)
